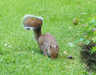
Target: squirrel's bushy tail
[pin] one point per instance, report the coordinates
(34, 23)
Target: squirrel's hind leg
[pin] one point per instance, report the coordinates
(41, 51)
(45, 52)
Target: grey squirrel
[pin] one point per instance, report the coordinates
(47, 43)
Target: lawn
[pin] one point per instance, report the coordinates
(19, 52)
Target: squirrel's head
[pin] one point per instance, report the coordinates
(32, 22)
(53, 51)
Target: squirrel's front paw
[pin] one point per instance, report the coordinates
(45, 54)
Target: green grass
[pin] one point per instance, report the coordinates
(19, 52)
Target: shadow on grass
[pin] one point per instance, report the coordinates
(88, 58)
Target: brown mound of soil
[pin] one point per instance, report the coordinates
(87, 57)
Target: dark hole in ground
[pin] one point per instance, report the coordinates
(87, 57)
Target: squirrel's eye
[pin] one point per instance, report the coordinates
(50, 46)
